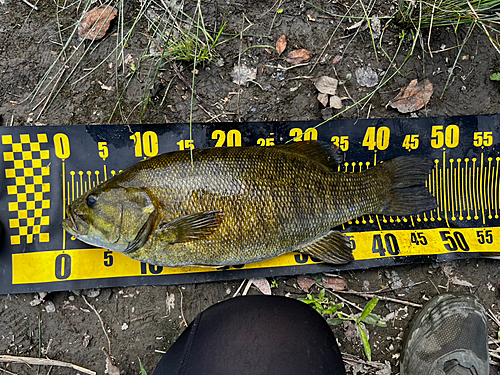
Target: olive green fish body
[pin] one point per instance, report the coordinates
(228, 206)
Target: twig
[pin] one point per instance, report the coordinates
(219, 115)
(182, 311)
(493, 317)
(437, 290)
(279, 67)
(181, 77)
(247, 288)
(50, 94)
(7, 371)
(29, 4)
(210, 114)
(369, 295)
(343, 299)
(239, 288)
(44, 362)
(494, 355)
(102, 323)
(274, 18)
(239, 59)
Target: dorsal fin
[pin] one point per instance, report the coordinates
(329, 156)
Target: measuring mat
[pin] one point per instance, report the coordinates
(46, 168)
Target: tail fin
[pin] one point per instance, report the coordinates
(406, 193)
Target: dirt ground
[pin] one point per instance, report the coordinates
(143, 321)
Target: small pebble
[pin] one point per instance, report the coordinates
(50, 307)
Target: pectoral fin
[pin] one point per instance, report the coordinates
(334, 247)
(142, 235)
(190, 227)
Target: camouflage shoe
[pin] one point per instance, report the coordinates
(449, 336)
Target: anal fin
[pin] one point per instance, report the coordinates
(334, 247)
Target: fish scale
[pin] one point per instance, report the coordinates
(229, 206)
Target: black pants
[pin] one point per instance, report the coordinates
(255, 335)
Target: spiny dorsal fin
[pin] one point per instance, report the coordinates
(330, 157)
(334, 247)
(190, 227)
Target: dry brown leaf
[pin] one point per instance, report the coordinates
(281, 44)
(335, 283)
(337, 59)
(326, 85)
(413, 97)
(305, 282)
(323, 99)
(96, 22)
(262, 284)
(299, 56)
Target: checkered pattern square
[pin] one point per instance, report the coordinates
(26, 184)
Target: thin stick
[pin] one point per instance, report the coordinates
(494, 355)
(182, 311)
(430, 29)
(50, 94)
(219, 115)
(343, 299)
(239, 59)
(331, 37)
(44, 362)
(7, 371)
(493, 317)
(247, 288)
(369, 295)
(239, 288)
(285, 69)
(29, 4)
(102, 323)
(181, 77)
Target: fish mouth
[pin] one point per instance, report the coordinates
(74, 224)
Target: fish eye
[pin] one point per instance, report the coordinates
(91, 199)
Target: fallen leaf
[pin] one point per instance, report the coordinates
(326, 85)
(305, 282)
(262, 284)
(337, 59)
(335, 102)
(111, 369)
(242, 74)
(455, 280)
(335, 283)
(281, 44)
(413, 97)
(366, 77)
(96, 22)
(299, 56)
(323, 99)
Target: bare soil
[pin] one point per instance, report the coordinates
(138, 320)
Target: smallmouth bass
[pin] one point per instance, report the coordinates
(231, 206)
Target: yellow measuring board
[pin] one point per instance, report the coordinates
(101, 263)
(46, 168)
